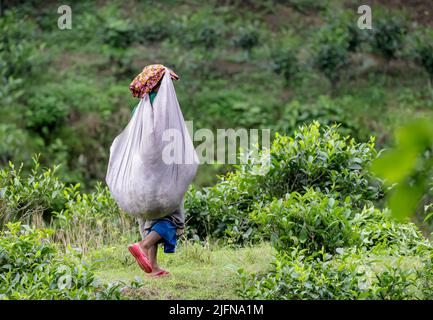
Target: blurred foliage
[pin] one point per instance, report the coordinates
(388, 36)
(287, 64)
(408, 168)
(423, 53)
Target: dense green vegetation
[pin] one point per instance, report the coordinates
(316, 226)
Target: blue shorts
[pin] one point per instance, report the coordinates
(167, 230)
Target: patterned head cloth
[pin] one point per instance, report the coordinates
(146, 80)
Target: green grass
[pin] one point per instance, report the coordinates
(197, 272)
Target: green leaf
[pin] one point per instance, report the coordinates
(405, 198)
(395, 165)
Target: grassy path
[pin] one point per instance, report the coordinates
(197, 272)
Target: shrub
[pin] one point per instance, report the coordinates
(376, 229)
(29, 198)
(423, 53)
(326, 111)
(45, 110)
(285, 63)
(222, 211)
(388, 35)
(118, 33)
(349, 274)
(18, 49)
(313, 158)
(153, 31)
(311, 221)
(33, 268)
(79, 219)
(331, 52)
(321, 159)
(19, 55)
(247, 37)
(91, 220)
(207, 36)
(16, 144)
(202, 29)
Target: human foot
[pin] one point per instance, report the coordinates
(140, 257)
(159, 273)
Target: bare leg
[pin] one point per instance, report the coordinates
(152, 254)
(149, 241)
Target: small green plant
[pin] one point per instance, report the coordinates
(203, 30)
(326, 111)
(79, 219)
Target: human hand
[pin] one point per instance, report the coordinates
(173, 75)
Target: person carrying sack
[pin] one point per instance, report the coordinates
(156, 226)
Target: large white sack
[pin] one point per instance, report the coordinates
(141, 182)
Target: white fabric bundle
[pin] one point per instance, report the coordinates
(153, 160)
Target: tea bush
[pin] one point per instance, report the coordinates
(310, 221)
(222, 211)
(18, 49)
(247, 37)
(16, 144)
(325, 111)
(330, 52)
(118, 33)
(323, 159)
(423, 53)
(315, 221)
(315, 158)
(202, 29)
(348, 274)
(91, 220)
(388, 36)
(286, 63)
(34, 268)
(45, 111)
(29, 198)
(78, 219)
(153, 31)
